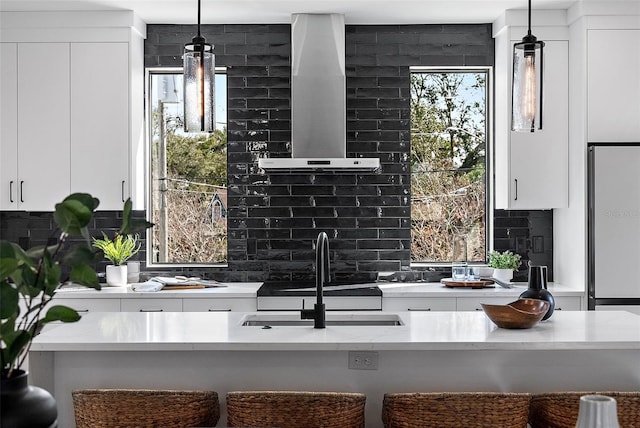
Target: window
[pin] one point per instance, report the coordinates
(449, 122)
(188, 176)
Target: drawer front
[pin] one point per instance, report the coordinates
(89, 305)
(219, 305)
(419, 304)
(151, 305)
(473, 303)
(569, 303)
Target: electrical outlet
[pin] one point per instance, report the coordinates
(363, 360)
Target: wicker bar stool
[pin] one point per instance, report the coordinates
(560, 409)
(113, 408)
(295, 409)
(455, 410)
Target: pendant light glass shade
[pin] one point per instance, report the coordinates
(199, 84)
(527, 89)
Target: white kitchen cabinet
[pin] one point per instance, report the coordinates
(567, 303)
(89, 305)
(473, 303)
(219, 305)
(8, 126)
(613, 86)
(100, 121)
(419, 304)
(532, 168)
(151, 305)
(65, 124)
(34, 151)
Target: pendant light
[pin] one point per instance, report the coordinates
(526, 97)
(199, 84)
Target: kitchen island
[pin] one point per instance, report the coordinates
(430, 351)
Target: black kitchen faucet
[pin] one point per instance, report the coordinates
(322, 275)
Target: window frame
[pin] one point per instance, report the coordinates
(149, 71)
(489, 154)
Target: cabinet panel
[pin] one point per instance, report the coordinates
(537, 174)
(8, 126)
(151, 305)
(43, 121)
(419, 304)
(100, 121)
(219, 305)
(473, 303)
(90, 305)
(567, 303)
(613, 87)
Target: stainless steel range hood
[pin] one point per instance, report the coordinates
(318, 98)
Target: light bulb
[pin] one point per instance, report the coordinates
(529, 90)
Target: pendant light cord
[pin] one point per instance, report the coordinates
(199, 18)
(529, 15)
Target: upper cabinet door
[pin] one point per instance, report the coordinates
(8, 126)
(43, 125)
(539, 164)
(613, 85)
(532, 170)
(100, 121)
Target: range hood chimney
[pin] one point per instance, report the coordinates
(318, 98)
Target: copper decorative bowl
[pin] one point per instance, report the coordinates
(523, 313)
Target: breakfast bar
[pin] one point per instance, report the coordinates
(392, 352)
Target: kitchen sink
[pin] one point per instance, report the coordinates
(332, 319)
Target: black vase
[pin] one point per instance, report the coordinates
(538, 288)
(25, 406)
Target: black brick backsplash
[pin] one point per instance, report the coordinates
(31, 229)
(273, 219)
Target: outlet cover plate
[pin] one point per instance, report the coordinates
(363, 360)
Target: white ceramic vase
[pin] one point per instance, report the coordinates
(504, 275)
(597, 411)
(116, 275)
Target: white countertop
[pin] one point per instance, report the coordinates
(249, 289)
(176, 331)
(230, 289)
(436, 289)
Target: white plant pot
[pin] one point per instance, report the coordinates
(117, 275)
(504, 275)
(597, 411)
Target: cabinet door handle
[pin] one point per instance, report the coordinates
(151, 310)
(419, 309)
(21, 193)
(219, 310)
(122, 190)
(516, 180)
(11, 191)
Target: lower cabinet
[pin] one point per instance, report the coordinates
(473, 303)
(464, 303)
(219, 305)
(419, 304)
(89, 305)
(159, 304)
(151, 305)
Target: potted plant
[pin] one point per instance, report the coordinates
(28, 282)
(117, 250)
(504, 264)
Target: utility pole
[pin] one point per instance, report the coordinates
(163, 241)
